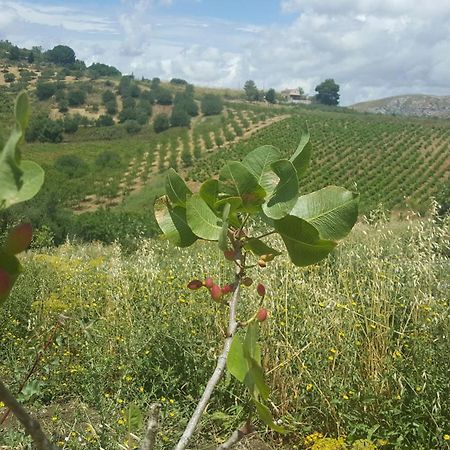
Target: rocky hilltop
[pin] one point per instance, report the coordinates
(408, 105)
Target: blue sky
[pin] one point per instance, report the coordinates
(372, 48)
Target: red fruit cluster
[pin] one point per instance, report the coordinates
(19, 239)
(215, 290)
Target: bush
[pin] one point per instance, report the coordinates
(128, 103)
(9, 78)
(161, 123)
(179, 117)
(104, 121)
(163, 96)
(111, 107)
(45, 90)
(43, 129)
(103, 70)
(108, 159)
(63, 105)
(108, 96)
(70, 124)
(132, 126)
(61, 54)
(76, 97)
(211, 104)
(71, 165)
(127, 114)
(178, 81)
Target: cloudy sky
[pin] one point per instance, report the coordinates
(372, 48)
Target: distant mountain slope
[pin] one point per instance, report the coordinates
(408, 105)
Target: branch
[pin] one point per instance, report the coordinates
(152, 427)
(237, 435)
(32, 426)
(220, 367)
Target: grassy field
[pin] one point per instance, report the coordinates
(355, 348)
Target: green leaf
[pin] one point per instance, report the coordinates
(12, 192)
(266, 417)
(237, 181)
(302, 241)
(251, 346)
(135, 418)
(22, 107)
(223, 238)
(332, 210)
(209, 191)
(237, 364)
(176, 189)
(201, 219)
(173, 223)
(285, 194)
(259, 162)
(259, 248)
(300, 158)
(255, 379)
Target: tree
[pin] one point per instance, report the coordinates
(271, 96)
(163, 96)
(211, 104)
(9, 78)
(251, 91)
(161, 123)
(61, 54)
(179, 117)
(76, 97)
(104, 121)
(45, 90)
(328, 92)
(30, 57)
(14, 53)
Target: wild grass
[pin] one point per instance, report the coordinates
(355, 348)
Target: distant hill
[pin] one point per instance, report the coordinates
(408, 105)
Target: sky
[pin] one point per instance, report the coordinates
(371, 48)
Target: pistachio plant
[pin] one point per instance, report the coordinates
(264, 188)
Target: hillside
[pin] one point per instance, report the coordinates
(408, 105)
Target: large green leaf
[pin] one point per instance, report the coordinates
(266, 417)
(237, 181)
(209, 191)
(285, 194)
(259, 248)
(173, 223)
(259, 162)
(12, 192)
(300, 158)
(223, 238)
(201, 219)
(237, 364)
(176, 189)
(302, 241)
(332, 210)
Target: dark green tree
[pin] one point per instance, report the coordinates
(76, 97)
(61, 54)
(251, 91)
(179, 117)
(328, 92)
(14, 53)
(271, 96)
(45, 90)
(211, 104)
(161, 123)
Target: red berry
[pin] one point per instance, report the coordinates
(5, 283)
(19, 239)
(227, 289)
(247, 281)
(229, 254)
(195, 284)
(208, 283)
(216, 292)
(262, 314)
(261, 290)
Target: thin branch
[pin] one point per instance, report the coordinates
(152, 427)
(32, 426)
(237, 436)
(220, 367)
(265, 234)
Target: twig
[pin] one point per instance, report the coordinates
(220, 367)
(237, 435)
(32, 426)
(152, 427)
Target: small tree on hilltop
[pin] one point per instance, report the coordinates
(328, 92)
(271, 96)
(61, 54)
(251, 91)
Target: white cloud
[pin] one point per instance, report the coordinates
(372, 48)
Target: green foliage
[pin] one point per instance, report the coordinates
(62, 55)
(43, 129)
(71, 165)
(251, 91)
(76, 97)
(211, 104)
(161, 123)
(179, 117)
(103, 70)
(9, 78)
(163, 96)
(178, 81)
(132, 126)
(104, 121)
(45, 90)
(271, 96)
(108, 159)
(328, 92)
(14, 53)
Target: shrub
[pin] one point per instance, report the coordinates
(104, 121)
(43, 129)
(178, 81)
(45, 90)
(127, 114)
(63, 105)
(211, 104)
(161, 123)
(76, 97)
(70, 124)
(132, 126)
(71, 165)
(108, 159)
(179, 117)
(163, 96)
(9, 78)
